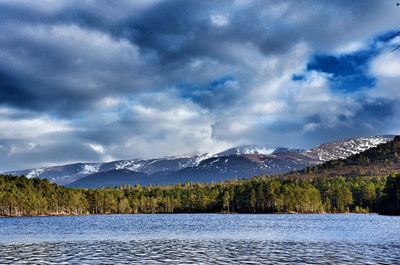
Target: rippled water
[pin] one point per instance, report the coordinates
(201, 239)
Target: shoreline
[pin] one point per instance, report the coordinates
(183, 213)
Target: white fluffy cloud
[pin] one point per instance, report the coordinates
(219, 20)
(386, 65)
(162, 123)
(28, 128)
(386, 68)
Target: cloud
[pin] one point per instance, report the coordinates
(154, 78)
(13, 124)
(386, 65)
(219, 20)
(87, 66)
(151, 124)
(28, 139)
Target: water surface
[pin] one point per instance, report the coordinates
(201, 239)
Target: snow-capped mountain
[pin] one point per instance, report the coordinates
(150, 166)
(62, 175)
(341, 149)
(237, 162)
(67, 174)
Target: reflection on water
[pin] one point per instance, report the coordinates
(201, 239)
(199, 252)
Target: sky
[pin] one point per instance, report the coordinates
(84, 80)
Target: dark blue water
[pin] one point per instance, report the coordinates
(201, 239)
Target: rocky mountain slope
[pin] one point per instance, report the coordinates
(238, 162)
(381, 160)
(341, 149)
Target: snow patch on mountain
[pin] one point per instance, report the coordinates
(90, 168)
(35, 173)
(248, 150)
(341, 149)
(133, 165)
(201, 157)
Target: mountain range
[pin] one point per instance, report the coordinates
(237, 162)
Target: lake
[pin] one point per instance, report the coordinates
(201, 239)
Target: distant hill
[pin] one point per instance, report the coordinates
(213, 169)
(112, 178)
(220, 168)
(382, 160)
(238, 162)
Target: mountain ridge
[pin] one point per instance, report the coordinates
(237, 162)
(381, 160)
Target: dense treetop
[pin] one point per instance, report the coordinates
(22, 196)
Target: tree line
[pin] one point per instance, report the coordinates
(20, 196)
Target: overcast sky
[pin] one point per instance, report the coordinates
(106, 80)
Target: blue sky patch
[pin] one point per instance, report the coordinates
(349, 71)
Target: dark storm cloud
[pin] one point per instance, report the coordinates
(13, 92)
(168, 35)
(117, 79)
(372, 119)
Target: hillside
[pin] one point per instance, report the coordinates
(237, 163)
(381, 160)
(214, 169)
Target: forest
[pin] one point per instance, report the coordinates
(20, 196)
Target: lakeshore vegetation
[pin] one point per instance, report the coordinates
(20, 196)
